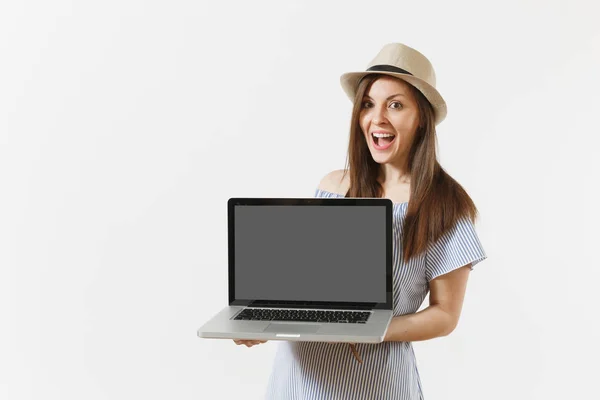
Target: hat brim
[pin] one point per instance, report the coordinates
(350, 82)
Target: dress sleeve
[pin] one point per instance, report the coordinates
(456, 248)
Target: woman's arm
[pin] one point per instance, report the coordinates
(446, 296)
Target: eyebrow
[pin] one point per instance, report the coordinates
(389, 98)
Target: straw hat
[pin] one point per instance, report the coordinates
(406, 63)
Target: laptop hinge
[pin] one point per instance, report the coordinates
(311, 305)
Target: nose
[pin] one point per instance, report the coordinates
(378, 116)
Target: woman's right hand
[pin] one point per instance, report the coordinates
(248, 343)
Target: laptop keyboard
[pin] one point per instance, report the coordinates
(267, 314)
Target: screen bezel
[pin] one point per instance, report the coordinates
(318, 201)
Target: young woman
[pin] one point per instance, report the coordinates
(392, 154)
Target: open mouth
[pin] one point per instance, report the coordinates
(382, 141)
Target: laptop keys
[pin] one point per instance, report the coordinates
(265, 314)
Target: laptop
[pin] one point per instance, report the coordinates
(307, 269)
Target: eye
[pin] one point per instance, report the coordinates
(367, 104)
(395, 105)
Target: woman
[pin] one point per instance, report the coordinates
(392, 155)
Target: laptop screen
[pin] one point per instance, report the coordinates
(320, 253)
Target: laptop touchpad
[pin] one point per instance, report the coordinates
(292, 328)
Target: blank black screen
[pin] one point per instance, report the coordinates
(310, 253)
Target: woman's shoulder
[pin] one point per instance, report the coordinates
(337, 181)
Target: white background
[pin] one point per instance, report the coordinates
(126, 125)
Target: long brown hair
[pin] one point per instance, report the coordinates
(437, 201)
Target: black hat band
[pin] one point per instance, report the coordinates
(388, 68)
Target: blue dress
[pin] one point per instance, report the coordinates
(318, 370)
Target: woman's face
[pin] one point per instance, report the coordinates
(389, 118)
